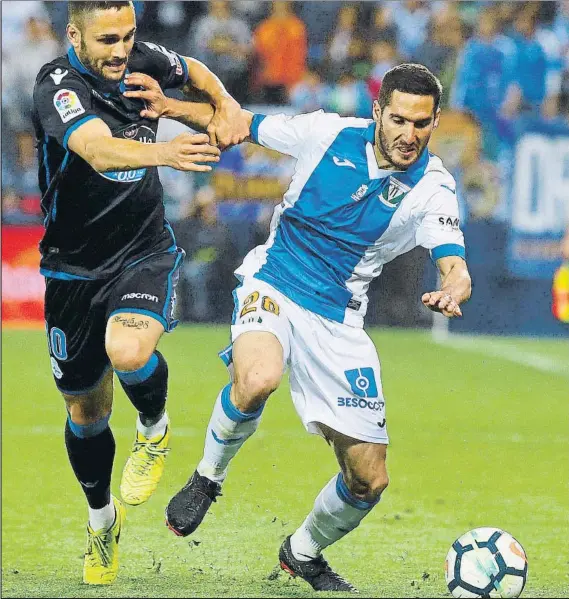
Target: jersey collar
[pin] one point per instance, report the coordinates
(101, 83)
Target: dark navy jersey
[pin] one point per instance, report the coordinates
(98, 223)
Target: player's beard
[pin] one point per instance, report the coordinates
(384, 148)
(91, 65)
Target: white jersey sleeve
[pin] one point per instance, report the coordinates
(292, 134)
(439, 229)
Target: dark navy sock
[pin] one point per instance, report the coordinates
(147, 388)
(91, 451)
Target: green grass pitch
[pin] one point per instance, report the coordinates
(479, 437)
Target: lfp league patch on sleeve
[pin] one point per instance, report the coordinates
(68, 105)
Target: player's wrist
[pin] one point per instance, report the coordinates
(163, 154)
(169, 110)
(224, 101)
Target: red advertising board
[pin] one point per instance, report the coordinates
(22, 285)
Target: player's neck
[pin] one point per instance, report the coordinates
(382, 162)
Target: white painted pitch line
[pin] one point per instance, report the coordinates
(510, 352)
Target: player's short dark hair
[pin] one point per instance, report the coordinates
(76, 11)
(411, 79)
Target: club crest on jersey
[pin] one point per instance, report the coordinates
(67, 104)
(131, 132)
(393, 193)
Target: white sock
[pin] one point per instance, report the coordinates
(102, 518)
(227, 430)
(336, 512)
(158, 428)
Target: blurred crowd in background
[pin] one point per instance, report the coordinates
(499, 62)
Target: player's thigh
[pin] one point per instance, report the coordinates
(131, 338)
(75, 326)
(260, 335)
(335, 379)
(89, 407)
(140, 307)
(258, 354)
(363, 464)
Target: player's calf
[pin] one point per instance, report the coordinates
(91, 450)
(227, 431)
(143, 374)
(146, 388)
(130, 342)
(339, 508)
(91, 447)
(258, 368)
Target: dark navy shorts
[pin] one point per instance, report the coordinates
(77, 311)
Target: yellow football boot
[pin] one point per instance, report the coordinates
(144, 467)
(101, 563)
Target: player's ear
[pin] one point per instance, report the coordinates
(376, 111)
(73, 35)
(437, 118)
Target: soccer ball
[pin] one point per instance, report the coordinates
(486, 562)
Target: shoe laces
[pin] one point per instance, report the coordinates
(207, 487)
(145, 455)
(98, 543)
(322, 567)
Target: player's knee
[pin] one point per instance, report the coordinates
(378, 485)
(367, 486)
(253, 389)
(128, 354)
(87, 409)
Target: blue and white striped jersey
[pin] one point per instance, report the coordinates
(343, 218)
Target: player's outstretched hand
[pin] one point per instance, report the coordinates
(441, 301)
(229, 125)
(187, 149)
(151, 93)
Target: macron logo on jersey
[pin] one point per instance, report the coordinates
(58, 75)
(343, 162)
(144, 296)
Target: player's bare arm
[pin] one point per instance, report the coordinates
(455, 289)
(93, 141)
(227, 125)
(197, 115)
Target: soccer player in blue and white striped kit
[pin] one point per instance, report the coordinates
(363, 192)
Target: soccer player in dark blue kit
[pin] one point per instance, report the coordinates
(109, 256)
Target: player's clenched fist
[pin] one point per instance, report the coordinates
(187, 150)
(229, 125)
(442, 301)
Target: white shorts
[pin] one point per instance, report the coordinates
(335, 377)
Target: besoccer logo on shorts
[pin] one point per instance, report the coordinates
(67, 104)
(362, 382)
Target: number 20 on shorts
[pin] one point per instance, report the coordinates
(267, 304)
